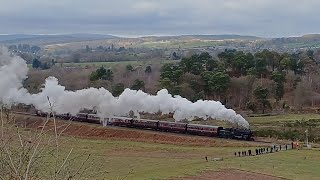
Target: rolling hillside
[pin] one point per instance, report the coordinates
(50, 39)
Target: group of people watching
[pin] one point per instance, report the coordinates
(264, 150)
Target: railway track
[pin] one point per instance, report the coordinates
(23, 113)
(117, 127)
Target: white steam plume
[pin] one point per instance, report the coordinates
(13, 70)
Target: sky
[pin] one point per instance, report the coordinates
(264, 18)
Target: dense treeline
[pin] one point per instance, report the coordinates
(26, 48)
(114, 54)
(259, 82)
(237, 79)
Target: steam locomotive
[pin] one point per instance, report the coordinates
(176, 127)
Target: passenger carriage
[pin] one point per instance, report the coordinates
(172, 126)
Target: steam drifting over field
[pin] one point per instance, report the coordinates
(13, 70)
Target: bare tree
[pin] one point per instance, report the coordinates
(302, 94)
(37, 154)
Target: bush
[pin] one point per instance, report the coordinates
(38, 154)
(292, 135)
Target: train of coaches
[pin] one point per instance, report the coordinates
(176, 127)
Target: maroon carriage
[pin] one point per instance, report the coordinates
(204, 130)
(145, 124)
(93, 118)
(120, 121)
(172, 126)
(82, 117)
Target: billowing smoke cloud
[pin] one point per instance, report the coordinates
(13, 71)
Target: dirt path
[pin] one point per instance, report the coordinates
(230, 174)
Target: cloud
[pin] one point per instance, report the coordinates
(140, 17)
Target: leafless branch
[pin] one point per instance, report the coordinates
(22, 153)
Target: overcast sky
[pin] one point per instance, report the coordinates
(266, 18)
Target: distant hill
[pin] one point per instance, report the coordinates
(222, 37)
(311, 36)
(253, 43)
(202, 37)
(304, 38)
(50, 39)
(306, 41)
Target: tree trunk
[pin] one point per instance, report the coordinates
(273, 67)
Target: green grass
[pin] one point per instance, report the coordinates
(303, 44)
(274, 120)
(138, 160)
(99, 64)
(179, 44)
(112, 64)
(146, 160)
(281, 118)
(292, 164)
(287, 126)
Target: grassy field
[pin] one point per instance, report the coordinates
(179, 44)
(137, 160)
(274, 120)
(130, 159)
(112, 64)
(304, 45)
(281, 118)
(288, 126)
(292, 164)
